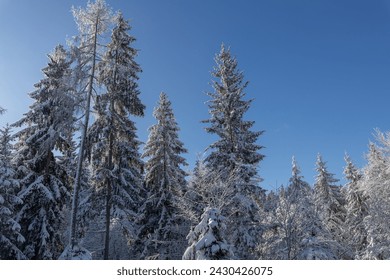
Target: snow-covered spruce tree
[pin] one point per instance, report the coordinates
(356, 206)
(235, 154)
(206, 239)
(10, 237)
(93, 22)
(116, 161)
(290, 216)
(161, 235)
(330, 206)
(298, 188)
(45, 131)
(309, 238)
(375, 185)
(2, 111)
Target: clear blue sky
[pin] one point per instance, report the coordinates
(319, 71)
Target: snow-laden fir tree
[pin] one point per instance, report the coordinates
(375, 185)
(235, 153)
(161, 234)
(2, 111)
(116, 159)
(309, 238)
(290, 217)
(45, 132)
(330, 205)
(356, 206)
(236, 145)
(10, 237)
(93, 22)
(207, 241)
(298, 188)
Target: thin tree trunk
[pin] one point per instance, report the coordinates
(76, 190)
(108, 201)
(110, 167)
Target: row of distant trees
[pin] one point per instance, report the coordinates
(75, 185)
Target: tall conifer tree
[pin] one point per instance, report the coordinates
(235, 154)
(116, 160)
(161, 235)
(46, 128)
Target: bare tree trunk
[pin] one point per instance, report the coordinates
(110, 167)
(76, 190)
(108, 201)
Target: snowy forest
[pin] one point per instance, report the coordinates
(77, 183)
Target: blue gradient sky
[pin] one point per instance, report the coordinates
(319, 71)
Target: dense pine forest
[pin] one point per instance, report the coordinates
(77, 183)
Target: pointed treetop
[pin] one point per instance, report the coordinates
(297, 187)
(295, 168)
(226, 69)
(58, 54)
(163, 111)
(351, 173)
(296, 180)
(323, 176)
(320, 164)
(121, 27)
(224, 49)
(118, 70)
(163, 97)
